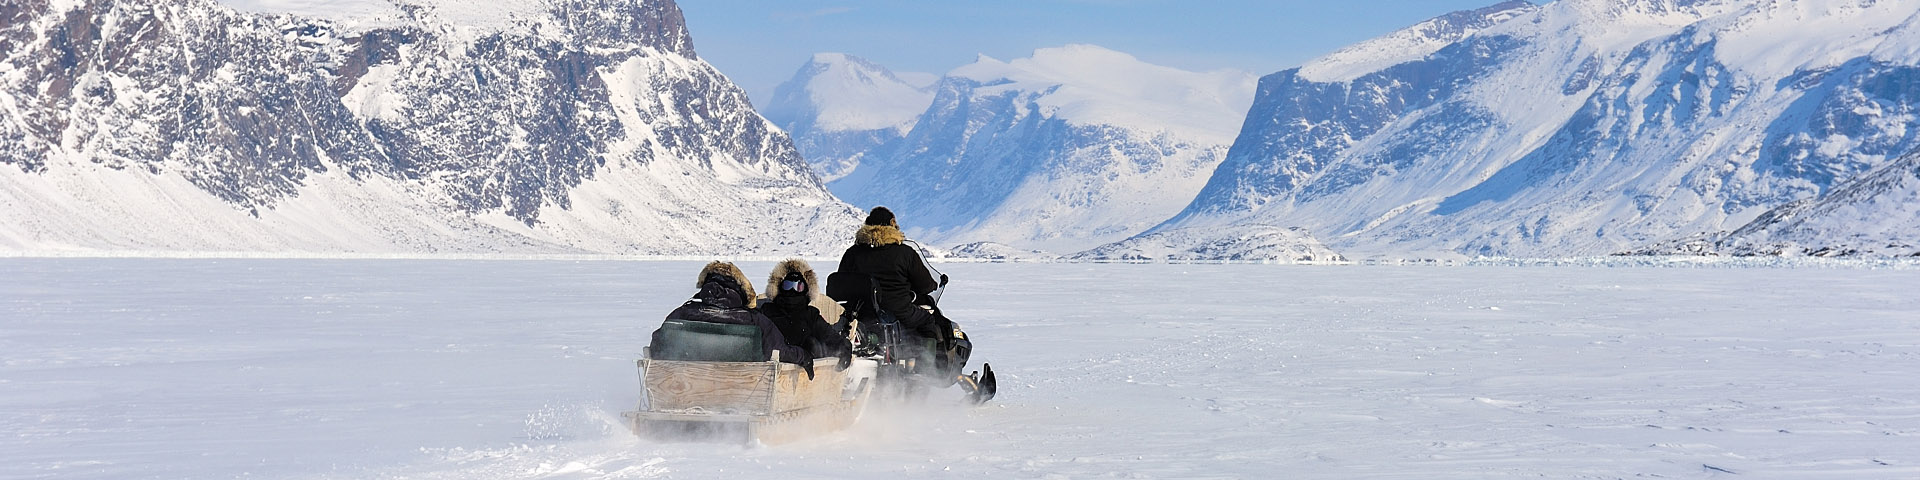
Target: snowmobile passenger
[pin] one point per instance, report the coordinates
(726, 297)
(796, 304)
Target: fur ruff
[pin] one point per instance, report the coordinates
(816, 291)
(879, 236)
(728, 269)
(792, 265)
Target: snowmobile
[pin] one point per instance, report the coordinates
(907, 365)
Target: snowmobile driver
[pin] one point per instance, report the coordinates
(901, 280)
(905, 286)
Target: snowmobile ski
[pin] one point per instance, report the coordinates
(980, 386)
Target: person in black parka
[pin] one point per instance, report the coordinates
(726, 296)
(794, 302)
(900, 277)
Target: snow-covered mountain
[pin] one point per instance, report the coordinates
(839, 108)
(1585, 127)
(402, 127)
(1875, 215)
(1069, 149)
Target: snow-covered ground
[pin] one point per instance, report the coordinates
(387, 369)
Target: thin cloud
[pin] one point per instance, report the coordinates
(789, 17)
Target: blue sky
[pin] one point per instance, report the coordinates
(760, 43)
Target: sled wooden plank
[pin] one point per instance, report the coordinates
(737, 388)
(805, 423)
(829, 407)
(796, 392)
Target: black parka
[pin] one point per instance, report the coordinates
(803, 325)
(900, 277)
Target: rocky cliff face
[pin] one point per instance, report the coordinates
(1583, 127)
(575, 125)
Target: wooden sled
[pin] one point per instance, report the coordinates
(765, 402)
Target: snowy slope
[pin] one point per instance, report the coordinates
(420, 126)
(836, 92)
(1877, 212)
(1090, 85)
(1262, 243)
(1579, 127)
(839, 108)
(1074, 147)
(1408, 44)
(370, 370)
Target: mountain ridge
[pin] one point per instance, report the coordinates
(1576, 128)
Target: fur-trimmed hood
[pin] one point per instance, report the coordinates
(792, 265)
(728, 269)
(816, 291)
(879, 235)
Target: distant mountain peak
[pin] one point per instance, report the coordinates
(837, 92)
(834, 57)
(824, 61)
(1101, 86)
(1072, 147)
(839, 106)
(1079, 61)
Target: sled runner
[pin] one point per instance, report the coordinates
(716, 393)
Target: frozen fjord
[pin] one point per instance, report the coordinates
(199, 368)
